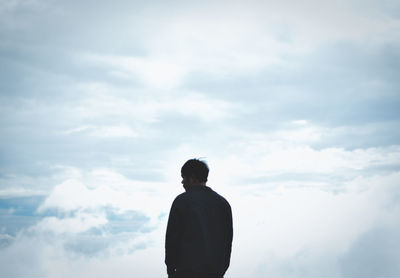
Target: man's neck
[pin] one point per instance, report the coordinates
(195, 185)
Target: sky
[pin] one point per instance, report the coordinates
(295, 106)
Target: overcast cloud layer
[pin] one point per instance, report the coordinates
(295, 105)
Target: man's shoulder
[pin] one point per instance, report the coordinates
(207, 192)
(219, 199)
(223, 200)
(217, 195)
(181, 198)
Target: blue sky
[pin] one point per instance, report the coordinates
(295, 105)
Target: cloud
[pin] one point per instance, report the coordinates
(48, 258)
(22, 250)
(326, 223)
(359, 261)
(297, 232)
(101, 189)
(84, 226)
(105, 131)
(110, 217)
(81, 222)
(268, 158)
(18, 213)
(155, 74)
(5, 240)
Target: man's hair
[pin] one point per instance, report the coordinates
(195, 168)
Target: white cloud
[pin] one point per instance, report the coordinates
(153, 73)
(20, 192)
(41, 256)
(81, 222)
(304, 134)
(69, 195)
(260, 168)
(114, 131)
(236, 38)
(104, 131)
(94, 191)
(203, 107)
(306, 222)
(245, 38)
(309, 224)
(141, 108)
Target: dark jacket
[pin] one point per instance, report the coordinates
(199, 233)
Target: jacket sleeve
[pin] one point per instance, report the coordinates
(229, 237)
(172, 239)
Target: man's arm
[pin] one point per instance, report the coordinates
(229, 237)
(172, 239)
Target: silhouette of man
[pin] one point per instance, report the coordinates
(199, 233)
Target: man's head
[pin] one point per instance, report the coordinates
(194, 172)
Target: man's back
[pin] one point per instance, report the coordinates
(199, 233)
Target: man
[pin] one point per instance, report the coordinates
(199, 233)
